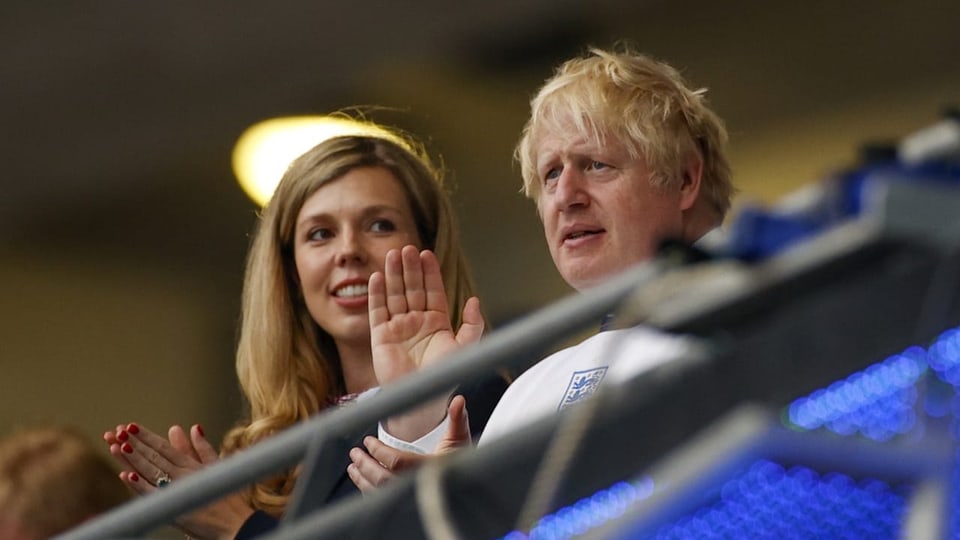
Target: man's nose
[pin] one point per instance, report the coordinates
(571, 189)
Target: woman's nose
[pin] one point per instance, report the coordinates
(350, 249)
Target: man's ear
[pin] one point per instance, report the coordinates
(690, 185)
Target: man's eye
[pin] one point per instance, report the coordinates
(552, 174)
(383, 225)
(598, 165)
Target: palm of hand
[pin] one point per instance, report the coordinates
(411, 341)
(409, 316)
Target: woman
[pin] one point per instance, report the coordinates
(305, 335)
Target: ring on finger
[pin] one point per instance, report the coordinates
(163, 479)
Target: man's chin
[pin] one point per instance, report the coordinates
(583, 278)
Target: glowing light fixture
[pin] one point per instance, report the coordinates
(265, 150)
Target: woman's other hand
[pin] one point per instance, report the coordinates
(153, 461)
(378, 465)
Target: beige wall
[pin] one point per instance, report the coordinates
(93, 343)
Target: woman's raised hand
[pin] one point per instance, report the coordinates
(409, 318)
(410, 329)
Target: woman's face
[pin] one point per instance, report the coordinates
(343, 233)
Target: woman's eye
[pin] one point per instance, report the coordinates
(319, 234)
(383, 225)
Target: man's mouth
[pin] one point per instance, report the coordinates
(581, 234)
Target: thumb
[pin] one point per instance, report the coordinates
(472, 326)
(178, 440)
(205, 450)
(458, 429)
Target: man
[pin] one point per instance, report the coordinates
(619, 155)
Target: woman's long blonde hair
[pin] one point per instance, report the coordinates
(287, 365)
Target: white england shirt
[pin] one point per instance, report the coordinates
(573, 374)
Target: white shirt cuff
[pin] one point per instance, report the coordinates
(424, 445)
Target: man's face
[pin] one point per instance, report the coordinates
(600, 214)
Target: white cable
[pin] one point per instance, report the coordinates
(432, 504)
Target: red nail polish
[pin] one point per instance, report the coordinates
(122, 436)
(200, 430)
(133, 428)
(126, 448)
(134, 477)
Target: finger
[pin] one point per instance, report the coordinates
(206, 451)
(376, 299)
(393, 277)
(358, 479)
(471, 329)
(118, 455)
(157, 448)
(138, 462)
(110, 437)
(370, 471)
(391, 458)
(181, 442)
(413, 279)
(373, 471)
(136, 483)
(433, 282)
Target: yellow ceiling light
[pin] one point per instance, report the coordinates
(265, 150)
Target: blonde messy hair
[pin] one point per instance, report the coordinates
(287, 365)
(645, 105)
